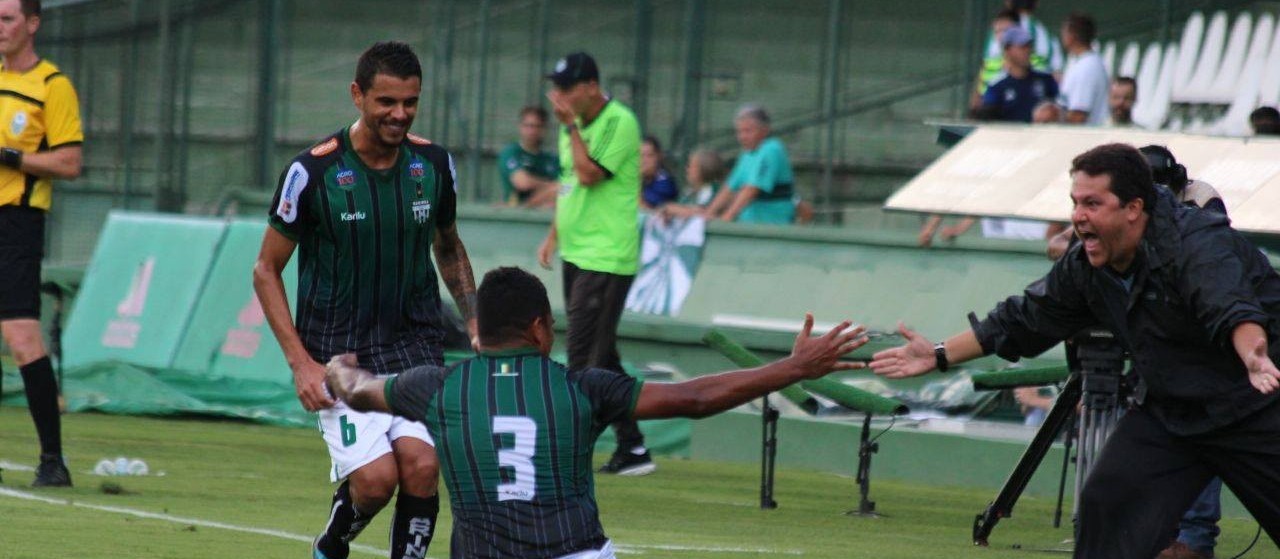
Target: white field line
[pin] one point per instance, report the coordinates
(624, 549)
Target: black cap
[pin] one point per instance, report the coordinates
(575, 68)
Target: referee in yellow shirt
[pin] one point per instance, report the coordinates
(40, 125)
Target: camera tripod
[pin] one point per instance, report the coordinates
(1096, 384)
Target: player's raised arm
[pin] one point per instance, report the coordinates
(811, 357)
(355, 386)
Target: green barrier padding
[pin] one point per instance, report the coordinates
(229, 337)
(1012, 378)
(140, 288)
(743, 357)
(853, 398)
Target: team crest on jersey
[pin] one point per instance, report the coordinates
(417, 170)
(421, 211)
(346, 177)
(325, 148)
(418, 139)
(19, 123)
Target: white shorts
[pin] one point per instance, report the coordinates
(358, 438)
(605, 552)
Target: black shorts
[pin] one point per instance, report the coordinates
(21, 249)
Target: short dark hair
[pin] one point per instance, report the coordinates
(653, 143)
(1028, 5)
(392, 58)
(30, 8)
(1009, 15)
(534, 110)
(508, 301)
(1265, 121)
(1126, 80)
(1083, 27)
(1130, 174)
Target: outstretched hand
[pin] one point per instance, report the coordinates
(911, 359)
(821, 355)
(341, 374)
(1262, 371)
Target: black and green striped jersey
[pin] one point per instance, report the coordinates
(515, 432)
(366, 283)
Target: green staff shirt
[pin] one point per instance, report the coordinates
(597, 225)
(768, 169)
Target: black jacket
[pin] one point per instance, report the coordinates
(1195, 279)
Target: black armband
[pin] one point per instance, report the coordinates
(11, 158)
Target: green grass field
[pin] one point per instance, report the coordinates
(233, 489)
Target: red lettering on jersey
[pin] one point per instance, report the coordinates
(418, 139)
(325, 148)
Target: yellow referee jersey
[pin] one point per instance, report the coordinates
(39, 111)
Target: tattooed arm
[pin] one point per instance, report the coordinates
(455, 269)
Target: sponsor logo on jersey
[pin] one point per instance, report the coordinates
(348, 216)
(416, 170)
(325, 148)
(418, 139)
(346, 177)
(295, 181)
(421, 211)
(19, 123)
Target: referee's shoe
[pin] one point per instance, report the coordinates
(625, 463)
(52, 472)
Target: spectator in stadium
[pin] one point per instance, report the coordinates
(1083, 94)
(531, 495)
(703, 174)
(657, 186)
(391, 323)
(1120, 99)
(1034, 403)
(761, 184)
(1195, 303)
(1265, 121)
(1014, 97)
(41, 143)
(1046, 55)
(597, 230)
(529, 173)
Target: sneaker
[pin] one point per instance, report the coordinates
(316, 553)
(1179, 550)
(52, 472)
(628, 464)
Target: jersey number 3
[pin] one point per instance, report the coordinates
(519, 457)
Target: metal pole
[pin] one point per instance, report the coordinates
(640, 67)
(691, 99)
(481, 83)
(835, 11)
(188, 44)
(450, 90)
(268, 46)
(128, 81)
(540, 52)
(164, 200)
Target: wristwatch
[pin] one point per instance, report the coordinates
(940, 356)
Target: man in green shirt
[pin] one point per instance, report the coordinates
(597, 229)
(517, 430)
(529, 174)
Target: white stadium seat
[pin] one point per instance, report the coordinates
(1188, 51)
(1129, 62)
(1109, 57)
(1222, 89)
(1269, 88)
(1207, 62)
(1148, 76)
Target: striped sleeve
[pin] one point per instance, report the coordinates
(613, 395)
(409, 392)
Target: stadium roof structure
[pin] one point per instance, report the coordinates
(1021, 172)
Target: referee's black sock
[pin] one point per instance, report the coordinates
(413, 525)
(345, 523)
(42, 401)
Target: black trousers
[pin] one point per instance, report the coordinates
(594, 302)
(1146, 477)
